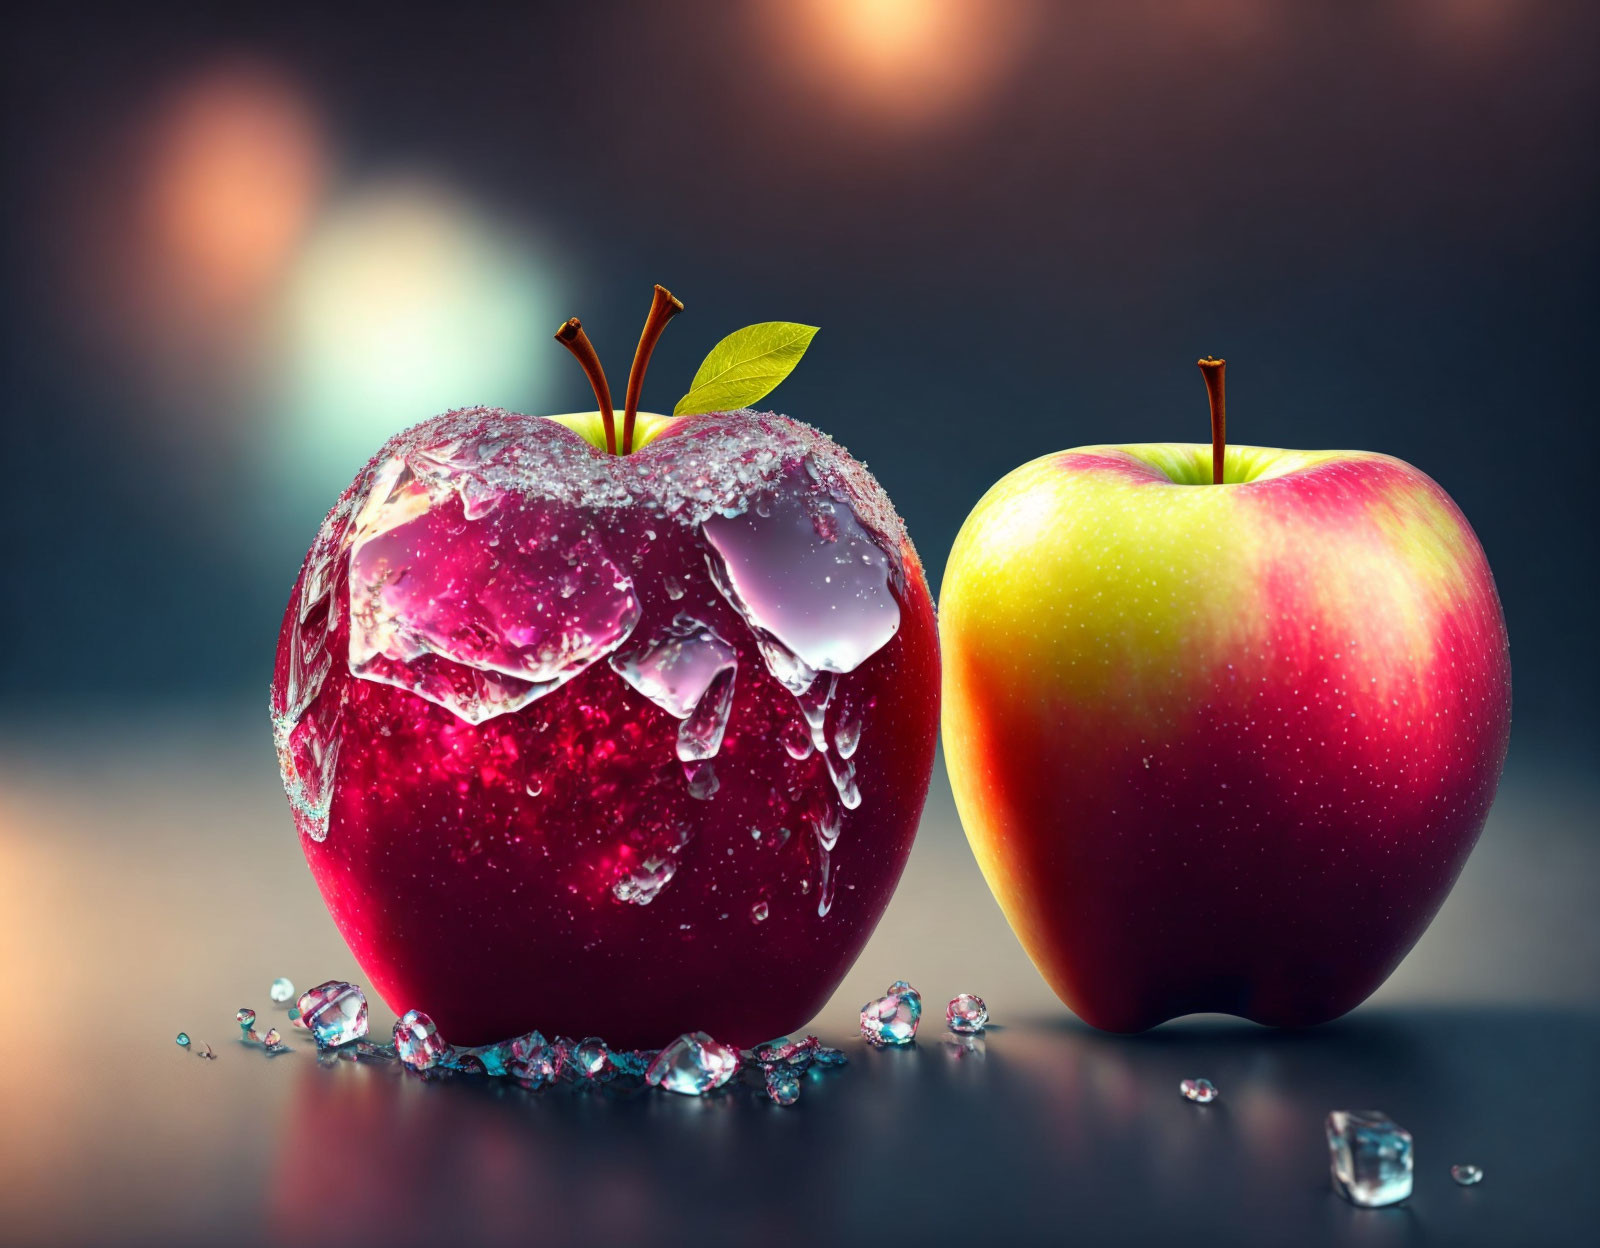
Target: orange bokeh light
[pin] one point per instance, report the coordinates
(235, 167)
(901, 61)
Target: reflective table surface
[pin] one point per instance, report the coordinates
(150, 883)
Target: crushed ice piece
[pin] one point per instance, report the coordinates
(784, 1049)
(207, 1054)
(678, 665)
(246, 1018)
(272, 1039)
(282, 990)
(643, 883)
(820, 591)
(892, 1019)
(633, 1062)
(759, 912)
(822, 1055)
(701, 777)
(336, 1013)
(591, 1058)
(417, 1041)
(1466, 1175)
(308, 761)
(183, 1040)
(529, 1051)
(1200, 1091)
(433, 609)
(693, 1065)
(1370, 1157)
(783, 1084)
(966, 1014)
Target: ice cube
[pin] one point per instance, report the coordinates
(1370, 1157)
(336, 1013)
(693, 1065)
(892, 1019)
(417, 1041)
(967, 1014)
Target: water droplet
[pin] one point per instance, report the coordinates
(246, 1018)
(417, 1041)
(700, 736)
(701, 777)
(847, 729)
(1200, 1091)
(814, 700)
(759, 912)
(336, 1013)
(893, 1018)
(1370, 1157)
(693, 1065)
(796, 738)
(967, 1014)
(183, 1039)
(281, 990)
(1467, 1175)
(842, 772)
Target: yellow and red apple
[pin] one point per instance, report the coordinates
(1221, 742)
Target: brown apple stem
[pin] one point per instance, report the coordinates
(663, 307)
(572, 337)
(1212, 370)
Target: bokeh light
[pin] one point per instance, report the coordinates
(185, 216)
(405, 302)
(234, 172)
(899, 62)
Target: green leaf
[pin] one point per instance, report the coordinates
(745, 367)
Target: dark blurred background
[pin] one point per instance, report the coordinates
(247, 244)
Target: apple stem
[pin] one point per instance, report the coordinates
(1212, 370)
(663, 307)
(572, 337)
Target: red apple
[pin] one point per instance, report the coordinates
(1221, 747)
(616, 744)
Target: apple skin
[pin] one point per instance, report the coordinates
(470, 866)
(1220, 748)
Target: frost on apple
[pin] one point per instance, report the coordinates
(733, 575)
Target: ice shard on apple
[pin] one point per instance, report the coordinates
(815, 591)
(480, 615)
